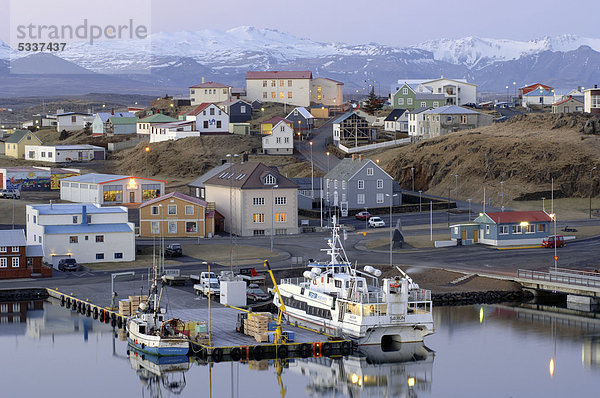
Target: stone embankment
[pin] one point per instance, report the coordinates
(485, 297)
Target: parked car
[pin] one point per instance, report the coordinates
(552, 240)
(10, 194)
(208, 280)
(375, 222)
(174, 250)
(363, 215)
(68, 264)
(255, 293)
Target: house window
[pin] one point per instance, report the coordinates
(15, 262)
(212, 111)
(264, 94)
(172, 210)
(258, 201)
(150, 191)
(530, 229)
(191, 227)
(463, 119)
(3, 263)
(423, 104)
(154, 227)
(409, 101)
(370, 171)
(40, 239)
(455, 230)
(400, 101)
(335, 184)
(280, 217)
(278, 140)
(541, 228)
(343, 184)
(99, 238)
(404, 91)
(264, 83)
(74, 219)
(73, 120)
(3, 249)
(270, 180)
(258, 218)
(281, 95)
(224, 91)
(73, 239)
(273, 94)
(379, 184)
(448, 118)
(436, 104)
(503, 230)
(289, 83)
(154, 210)
(43, 154)
(516, 229)
(192, 91)
(281, 83)
(172, 227)
(14, 249)
(259, 232)
(360, 199)
(99, 256)
(280, 200)
(289, 94)
(189, 210)
(113, 193)
(118, 256)
(487, 229)
(361, 184)
(379, 198)
(205, 124)
(286, 140)
(88, 218)
(242, 108)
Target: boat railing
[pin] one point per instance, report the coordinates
(364, 298)
(417, 295)
(294, 281)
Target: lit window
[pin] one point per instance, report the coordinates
(99, 238)
(258, 218)
(289, 94)
(281, 95)
(280, 217)
(191, 227)
(73, 239)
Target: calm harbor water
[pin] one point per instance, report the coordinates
(489, 350)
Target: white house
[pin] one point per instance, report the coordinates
(280, 141)
(326, 91)
(592, 100)
(284, 87)
(110, 189)
(172, 131)
(397, 121)
(209, 92)
(64, 153)
(88, 233)
(455, 91)
(71, 121)
(415, 122)
(210, 119)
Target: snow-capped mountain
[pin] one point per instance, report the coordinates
(475, 52)
(174, 61)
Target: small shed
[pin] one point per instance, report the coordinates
(465, 233)
(513, 227)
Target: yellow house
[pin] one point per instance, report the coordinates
(14, 146)
(176, 215)
(267, 125)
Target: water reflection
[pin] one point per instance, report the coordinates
(159, 373)
(371, 372)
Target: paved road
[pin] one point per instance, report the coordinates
(320, 137)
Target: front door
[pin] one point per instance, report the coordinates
(475, 237)
(464, 235)
(131, 197)
(79, 156)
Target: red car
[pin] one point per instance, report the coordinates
(363, 215)
(549, 241)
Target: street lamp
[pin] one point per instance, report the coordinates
(391, 202)
(507, 95)
(469, 200)
(366, 219)
(591, 190)
(456, 184)
(412, 173)
(420, 192)
(312, 173)
(515, 87)
(273, 214)
(147, 149)
(502, 195)
(553, 217)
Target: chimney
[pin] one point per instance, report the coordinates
(112, 111)
(83, 215)
(202, 79)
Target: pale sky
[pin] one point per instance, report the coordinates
(393, 22)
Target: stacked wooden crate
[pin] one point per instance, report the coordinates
(257, 326)
(125, 307)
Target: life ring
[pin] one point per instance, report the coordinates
(282, 351)
(372, 309)
(257, 353)
(235, 354)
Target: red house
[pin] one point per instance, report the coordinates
(19, 260)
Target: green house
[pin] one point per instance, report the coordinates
(410, 97)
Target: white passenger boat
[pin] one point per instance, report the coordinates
(339, 299)
(148, 331)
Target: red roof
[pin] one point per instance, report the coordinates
(528, 89)
(198, 109)
(513, 217)
(567, 99)
(284, 74)
(210, 85)
(274, 120)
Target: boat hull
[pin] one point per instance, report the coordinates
(158, 346)
(376, 335)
